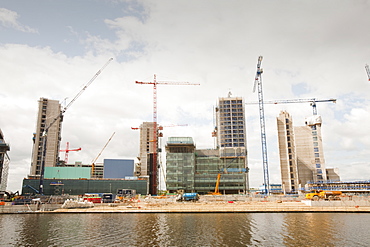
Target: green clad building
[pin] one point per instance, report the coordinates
(195, 170)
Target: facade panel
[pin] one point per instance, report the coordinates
(118, 168)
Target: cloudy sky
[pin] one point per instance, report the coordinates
(311, 49)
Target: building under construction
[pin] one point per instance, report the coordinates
(301, 153)
(4, 162)
(202, 170)
(224, 168)
(146, 147)
(49, 111)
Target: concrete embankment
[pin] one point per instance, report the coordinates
(207, 204)
(235, 207)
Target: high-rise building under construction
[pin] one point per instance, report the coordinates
(146, 148)
(230, 131)
(49, 110)
(301, 153)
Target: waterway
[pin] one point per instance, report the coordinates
(172, 229)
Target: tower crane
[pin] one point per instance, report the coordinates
(97, 157)
(367, 71)
(60, 116)
(155, 138)
(258, 83)
(67, 150)
(312, 102)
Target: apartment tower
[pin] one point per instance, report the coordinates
(301, 152)
(49, 110)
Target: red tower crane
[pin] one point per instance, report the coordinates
(67, 150)
(155, 139)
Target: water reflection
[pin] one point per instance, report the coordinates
(234, 229)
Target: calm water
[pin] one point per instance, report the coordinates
(238, 229)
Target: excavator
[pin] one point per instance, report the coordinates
(7, 196)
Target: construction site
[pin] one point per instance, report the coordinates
(196, 180)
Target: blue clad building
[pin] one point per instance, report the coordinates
(118, 168)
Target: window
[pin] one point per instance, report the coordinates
(316, 144)
(318, 166)
(319, 171)
(317, 155)
(313, 127)
(287, 126)
(315, 138)
(286, 120)
(314, 133)
(316, 150)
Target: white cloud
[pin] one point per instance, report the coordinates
(9, 19)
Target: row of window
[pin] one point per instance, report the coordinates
(231, 101)
(232, 114)
(234, 125)
(233, 118)
(232, 145)
(231, 136)
(223, 132)
(233, 140)
(232, 110)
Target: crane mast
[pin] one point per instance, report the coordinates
(367, 71)
(258, 84)
(60, 116)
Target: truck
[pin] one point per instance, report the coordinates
(187, 197)
(316, 195)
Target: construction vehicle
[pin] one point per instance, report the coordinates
(217, 190)
(124, 194)
(187, 197)
(316, 195)
(7, 196)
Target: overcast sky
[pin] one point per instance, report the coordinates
(311, 49)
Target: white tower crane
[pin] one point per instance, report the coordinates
(312, 102)
(60, 116)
